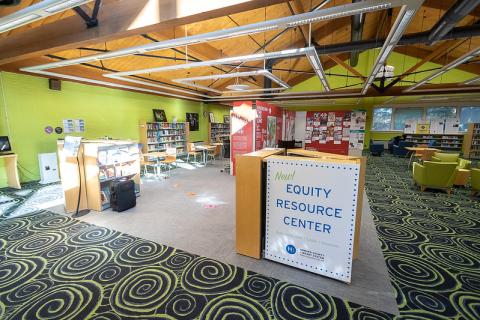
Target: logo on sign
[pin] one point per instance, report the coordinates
(291, 249)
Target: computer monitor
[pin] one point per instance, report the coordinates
(5, 144)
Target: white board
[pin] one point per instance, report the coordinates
(313, 232)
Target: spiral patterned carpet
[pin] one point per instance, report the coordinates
(430, 241)
(55, 267)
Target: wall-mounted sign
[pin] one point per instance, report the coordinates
(310, 215)
(58, 130)
(48, 129)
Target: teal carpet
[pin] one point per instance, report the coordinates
(55, 267)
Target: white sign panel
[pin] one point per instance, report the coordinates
(310, 218)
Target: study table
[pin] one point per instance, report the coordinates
(11, 169)
(426, 153)
(205, 149)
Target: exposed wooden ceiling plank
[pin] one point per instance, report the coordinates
(118, 19)
(346, 66)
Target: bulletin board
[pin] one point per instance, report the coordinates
(328, 131)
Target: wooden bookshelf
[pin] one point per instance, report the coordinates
(472, 142)
(158, 136)
(102, 162)
(445, 142)
(217, 132)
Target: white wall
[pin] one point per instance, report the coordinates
(300, 123)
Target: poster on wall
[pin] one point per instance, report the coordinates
(410, 126)
(289, 125)
(452, 126)
(271, 132)
(422, 128)
(79, 125)
(265, 115)
(68, 126)
(310, 222)
(192, 119)
(159, 115)
(359, 118)
(437, 126)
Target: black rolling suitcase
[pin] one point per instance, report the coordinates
(122, 195)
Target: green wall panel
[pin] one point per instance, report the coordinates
(31, 106)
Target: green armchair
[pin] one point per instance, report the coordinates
(462, 173)
(475, 181)
(445, 157)
(435, 175)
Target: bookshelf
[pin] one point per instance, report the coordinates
(217, 132)
(472, 142)
(158, 136)
(445, 142)
(101, 162)
(106, 162)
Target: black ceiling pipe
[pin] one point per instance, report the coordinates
(356, 34)
(410, 39)
(457, 12)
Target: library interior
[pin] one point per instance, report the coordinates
(151, 167)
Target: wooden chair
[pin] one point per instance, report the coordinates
(145, 163)
(192, 152)
(170, 158)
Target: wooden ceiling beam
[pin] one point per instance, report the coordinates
(85, 72)
(118, 19)
(420, 53)
(445, 47)
(346, 66)
(296, 7)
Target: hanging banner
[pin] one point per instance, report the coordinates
(310, 215)
(242, 117)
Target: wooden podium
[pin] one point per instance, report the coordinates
(12, 170)
(250, 202)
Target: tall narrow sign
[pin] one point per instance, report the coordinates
(310, 215)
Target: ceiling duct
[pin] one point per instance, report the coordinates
(449, 20)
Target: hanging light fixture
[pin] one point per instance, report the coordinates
(237, 86)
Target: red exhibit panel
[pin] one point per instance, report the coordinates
(268, 125)
(241, 119)
(328, 131)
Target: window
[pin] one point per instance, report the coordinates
(382, 119)
(468, 115)
(441, 113)
(404, 114)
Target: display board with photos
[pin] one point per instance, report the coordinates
(328, 131)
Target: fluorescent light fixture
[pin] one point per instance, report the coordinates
(473, 80)
(245, 88)
(405, 15)
(19, 22)
(280, 23)
(467, 56)
(37, 11)
(64, 5)
(317, 66)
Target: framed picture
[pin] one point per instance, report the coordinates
(159, 115)
(212, 117)
(192, 119)
(226, 119)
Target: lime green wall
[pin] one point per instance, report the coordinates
(31, 106)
